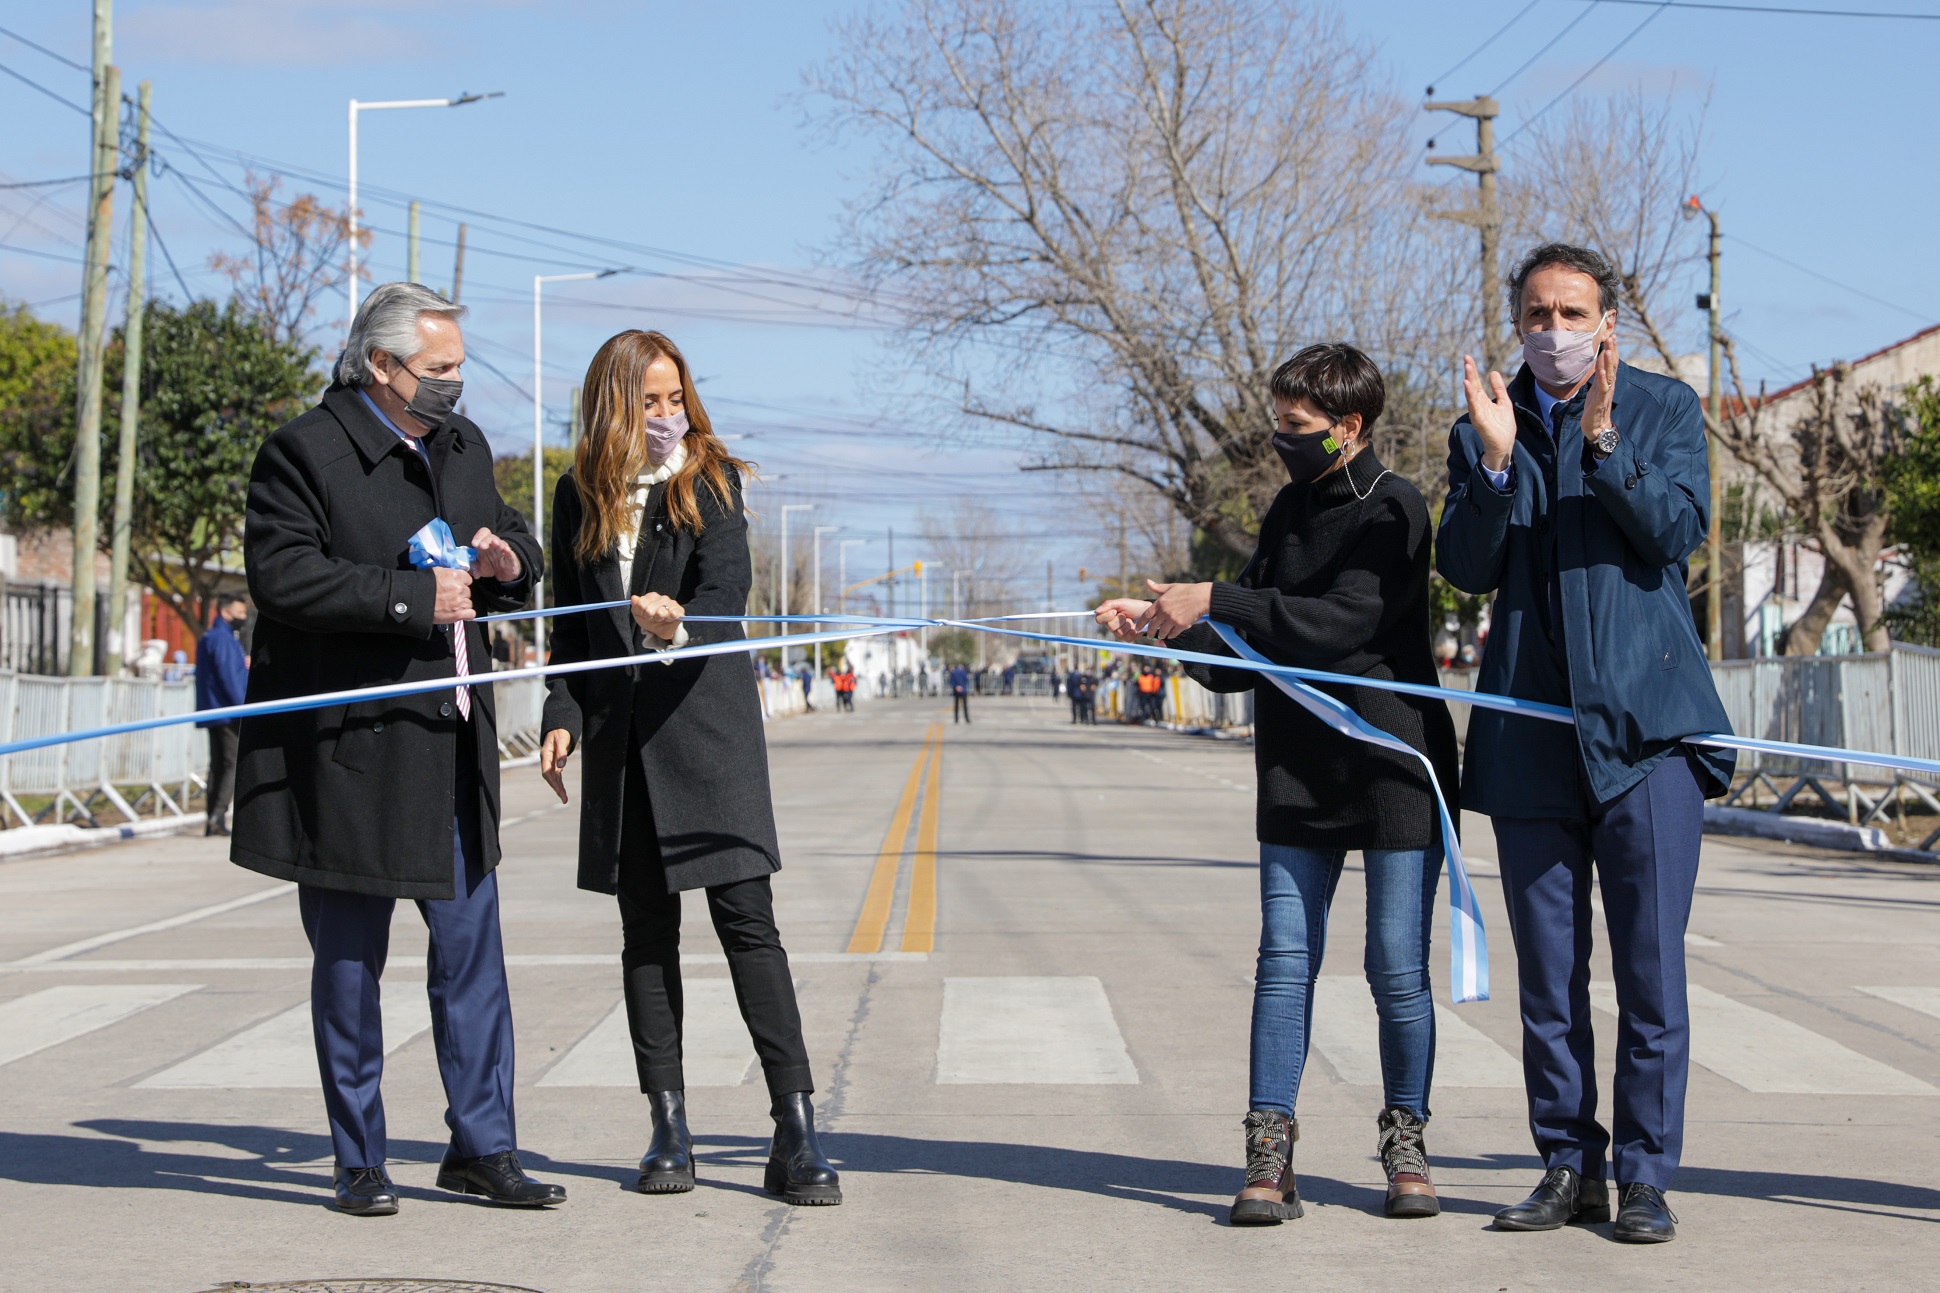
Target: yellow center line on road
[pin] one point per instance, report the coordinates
(919, 925)
(881, 895)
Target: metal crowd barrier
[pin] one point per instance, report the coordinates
(153, 773)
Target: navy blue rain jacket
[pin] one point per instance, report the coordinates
(1587, 564)
(221, 671)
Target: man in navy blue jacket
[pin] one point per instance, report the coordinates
(221, 678)
(1576, 494)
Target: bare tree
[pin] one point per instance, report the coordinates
(1827, 469)
(298, 257)
(1614, 174)
(980, 565)
(1152, 202)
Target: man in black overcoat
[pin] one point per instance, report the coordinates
(367, 803)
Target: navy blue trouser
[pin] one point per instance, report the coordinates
(471, 1013)
(1644, 846)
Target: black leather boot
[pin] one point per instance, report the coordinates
(668, 1167)
(798, 1172)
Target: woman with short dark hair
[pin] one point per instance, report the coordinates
(1339, 582)
(676, 775)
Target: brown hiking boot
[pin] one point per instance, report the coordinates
(1404, 1157)
(1271, 1195)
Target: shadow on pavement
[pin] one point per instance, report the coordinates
(281, 1166)
(1891, 1199)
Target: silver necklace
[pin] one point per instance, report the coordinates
(1348, 468)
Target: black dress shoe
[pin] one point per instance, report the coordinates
(1563, 1197)
(499, 1178)
(798, 1171)
(1644, 1217)
(668, 1167)
(365, 1192)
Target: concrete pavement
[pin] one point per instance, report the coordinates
(1024, 955)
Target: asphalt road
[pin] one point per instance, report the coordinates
(1024, 953)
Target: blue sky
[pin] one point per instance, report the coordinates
(674, 127)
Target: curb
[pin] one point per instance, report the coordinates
(1808, 830)
(24, 840)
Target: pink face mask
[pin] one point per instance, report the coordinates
(1560, 358)
(663, 434)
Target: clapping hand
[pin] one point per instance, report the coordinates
(1491, 414)
(1600, 403)
(495, 559)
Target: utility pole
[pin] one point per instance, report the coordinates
(818, 608)
(573, 430)
(458, 266)
(1711, 303)
(92, 341)
(1050, 597)
(1486, 217)
(890, 572)
(124, 515)
(1124, 563)
(411, 245)
(785, 572)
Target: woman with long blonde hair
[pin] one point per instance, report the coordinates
(675, 780)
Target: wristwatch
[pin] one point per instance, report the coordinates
(1605, 443)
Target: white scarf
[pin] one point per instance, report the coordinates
(636, 513)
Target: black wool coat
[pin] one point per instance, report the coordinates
(1339, 582)
(361, 797)
(694, 725)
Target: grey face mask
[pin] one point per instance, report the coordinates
(434, 400)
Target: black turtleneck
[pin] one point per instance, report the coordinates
(1339, 582)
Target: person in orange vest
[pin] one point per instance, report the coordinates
(844, 680)
(1150, 683)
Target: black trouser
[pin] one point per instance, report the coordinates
(960, 707)
(223, 741)
(744, 917)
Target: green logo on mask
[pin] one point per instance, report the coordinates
(1329, 445)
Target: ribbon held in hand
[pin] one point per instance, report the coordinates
(435, 545)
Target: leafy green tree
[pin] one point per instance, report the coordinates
(1913, 493)
(214, 384)
(37, 361)
(514, 475)
(215, 381)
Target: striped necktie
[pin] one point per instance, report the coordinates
(458, 636)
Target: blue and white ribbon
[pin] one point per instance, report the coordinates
(1468, 943)
(435, 545)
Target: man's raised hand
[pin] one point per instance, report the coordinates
(495, 558)
(1491, 414)
(1600, 403)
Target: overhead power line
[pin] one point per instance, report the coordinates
(1649, 18)
(58, 58)
(1553, 40)
(1788, 10)
(61, 99)
(1470, 56)
(1925, 316)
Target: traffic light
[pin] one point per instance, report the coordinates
(919, 570)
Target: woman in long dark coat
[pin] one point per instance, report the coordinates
(676, 769)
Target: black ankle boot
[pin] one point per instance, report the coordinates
(668, 1167)
(798, 1172)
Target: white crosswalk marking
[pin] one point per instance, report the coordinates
(1345, 1031)
(1030, 1029)
(1921, 997)
(1771, 1055)
(715, 1050)
(282, 1052)
(55, 1015)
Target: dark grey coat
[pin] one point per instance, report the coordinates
(695, 724)
(360, 797)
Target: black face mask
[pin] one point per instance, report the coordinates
(1307, 454)
(434, 400)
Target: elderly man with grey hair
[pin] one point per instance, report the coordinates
(367, 803)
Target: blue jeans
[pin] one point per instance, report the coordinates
(1296, 890)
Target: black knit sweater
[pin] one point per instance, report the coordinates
(1339, 582)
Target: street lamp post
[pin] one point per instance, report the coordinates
(820, 609)
(785, 510)
(539, 442)
(357, 107)
(842, 570)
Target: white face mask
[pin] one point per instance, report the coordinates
(1562, 357)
